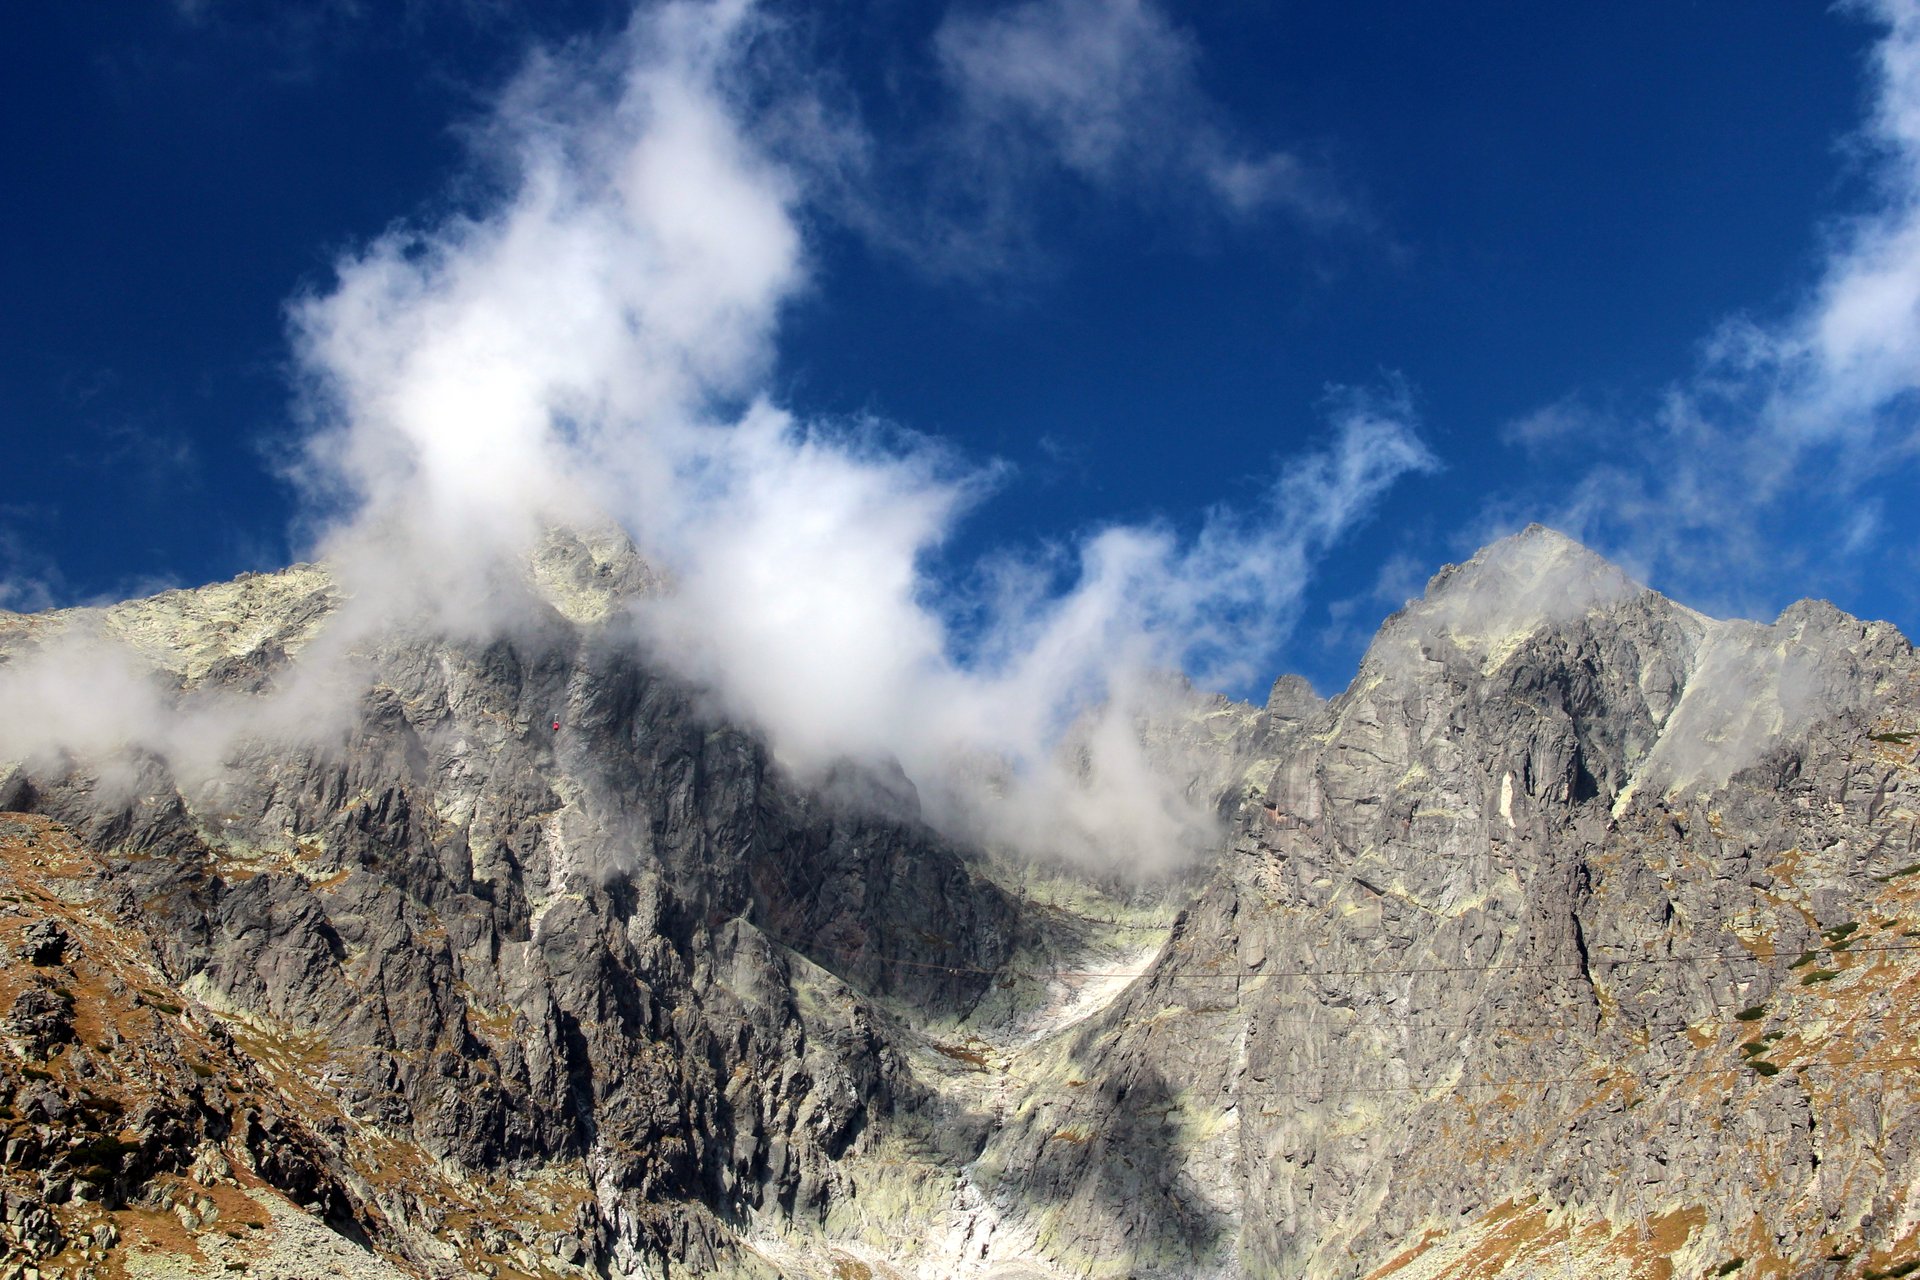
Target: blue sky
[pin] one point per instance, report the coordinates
(1074, 266)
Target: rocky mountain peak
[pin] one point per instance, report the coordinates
(589, 572)
(1568, 939)
(1511, 587)
(1293, 699)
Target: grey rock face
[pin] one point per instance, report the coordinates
(1575, 937)
(604, 951)
(1467, 990)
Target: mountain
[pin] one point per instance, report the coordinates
(1579, 936)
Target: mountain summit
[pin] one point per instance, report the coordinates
(1573, 938)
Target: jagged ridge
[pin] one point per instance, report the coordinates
(1461, 995)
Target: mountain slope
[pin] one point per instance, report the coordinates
(468, 946)
(1577, 933)
(1577, 936)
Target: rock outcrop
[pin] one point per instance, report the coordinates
(1576, 937)
(525, 916)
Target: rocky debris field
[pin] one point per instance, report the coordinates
(137, 1129)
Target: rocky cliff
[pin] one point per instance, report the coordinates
(1575, 938)
(1579, 936)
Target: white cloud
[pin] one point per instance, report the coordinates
(583, 347)
(800, 599)
(86, 695)
(1568, 421)
(1280, 180)
(577, 347)
(1086, 77)
(29, 580)
(1756, 466)
(487, 375)
(1107, 92)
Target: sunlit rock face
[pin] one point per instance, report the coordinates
(1498, 975)
(1575, 937)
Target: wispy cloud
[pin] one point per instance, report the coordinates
(29, 579)
(595, 343)
(1758, 470)
(1569, 422)
(1103, 97)
(1108, 90)
(587, 345)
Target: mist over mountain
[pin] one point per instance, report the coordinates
(683, 816)
(1572, 934)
